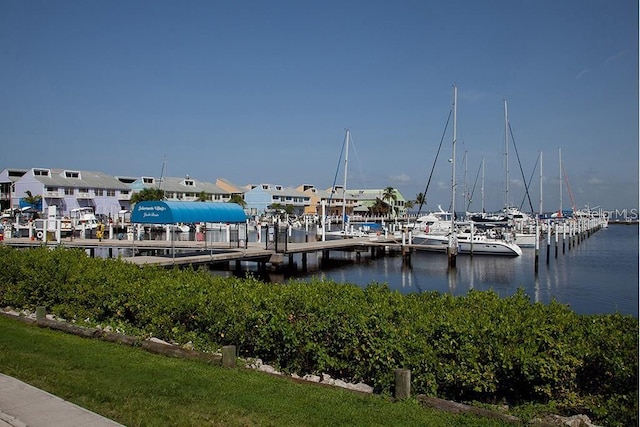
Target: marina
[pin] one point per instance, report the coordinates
(593, 272)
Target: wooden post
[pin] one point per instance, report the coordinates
(41, 313)
(406, 256)
(402, 384)
(229, 356)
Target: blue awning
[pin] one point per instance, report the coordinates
(162, 212)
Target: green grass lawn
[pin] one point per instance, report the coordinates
(137, 388)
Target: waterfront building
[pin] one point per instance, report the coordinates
(315, 198)
(367, 199)
(110, 195)
(8, 178)
(182, 189)
(356, 202)
(233, 189)
(72, 189)
(260, 199)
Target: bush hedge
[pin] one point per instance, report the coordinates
(477, 347)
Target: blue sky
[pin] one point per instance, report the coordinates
(262, 92)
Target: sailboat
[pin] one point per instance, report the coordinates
(347, 230)
(511, 221)
(462, 237)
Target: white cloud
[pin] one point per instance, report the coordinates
(595, 181)
(582, 73)
(400, 178)
(615, 57)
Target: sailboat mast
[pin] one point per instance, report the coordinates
(452, 247)
(540, 208)
(506, 155)
(482, 187)
(560, 164)
(465, 197)
(344, 188)
(453, 159)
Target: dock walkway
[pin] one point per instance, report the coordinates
(187, 252)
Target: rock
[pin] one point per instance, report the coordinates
(158, 341)
(268, 369)
(579, 420)
(312, 378)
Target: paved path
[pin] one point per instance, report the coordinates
(22, 405)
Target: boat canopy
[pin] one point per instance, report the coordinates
(162, 212)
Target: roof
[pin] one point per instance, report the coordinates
(163, 212)
(78, 179)
(180, 185)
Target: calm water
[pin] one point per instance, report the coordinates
(598, 275)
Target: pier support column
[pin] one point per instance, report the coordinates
(304, 262)
(406, 256)
(548, 239)
(537, 246)
(556, 240)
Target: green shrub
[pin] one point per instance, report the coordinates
(476, 347)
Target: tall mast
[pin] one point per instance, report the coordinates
(540, 208)
(452, 248)
(560, 164)
(344, 188)
(465, 196)
(482, 187)
(506, 155)
(453, 157)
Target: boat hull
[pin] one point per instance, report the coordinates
(465, 246)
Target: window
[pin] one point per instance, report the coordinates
(69, 191)
(111, 193)
(71, 174)
(41, 172)
(99, 192)
(147, 180)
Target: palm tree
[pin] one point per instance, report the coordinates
(31, 199)
(237, 199)
(409, 204)
(147, 194)
(420, 199)
(203, 196)
(389, 194)
(379, 208)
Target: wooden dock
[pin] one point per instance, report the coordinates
(187, 252)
